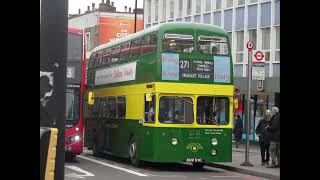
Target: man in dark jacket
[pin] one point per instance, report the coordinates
(237, 130)
(264, 140)
(274, 132)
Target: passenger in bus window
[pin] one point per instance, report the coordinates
(214, 50)
(151, 112)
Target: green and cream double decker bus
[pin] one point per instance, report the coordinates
(164, 94)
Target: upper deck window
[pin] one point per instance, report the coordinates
(178, 43)
(213, 45)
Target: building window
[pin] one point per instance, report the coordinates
(241, 2)
(148, 25)
(277, 56)
(267, 55)
(197, 18)
(239, 57)
(208, 5)
(253, 1)
(265, 32)
(278, 37)
(240, 41)
(239, 18)
(217, 18)
(187, 19)
(253, 37)
(229, 3)
(266, 69)
(218, 4)
(179, 20)
(156, 10)
(228, 20)
(252, 16)
(171, 9)
(265, 15)
(189, 5)
(277, 13)
(207, 18)
(276, 70)
(238, 70)
(149, 11)
(198, 6)
(88, 41)
(180, 7)
(164, 11)
(230, 38)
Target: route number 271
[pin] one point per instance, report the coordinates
(184, 64)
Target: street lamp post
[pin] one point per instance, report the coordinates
(247, 163)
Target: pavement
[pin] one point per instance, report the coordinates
(238, 157)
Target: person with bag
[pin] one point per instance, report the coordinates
(274, 132)
(264, 139)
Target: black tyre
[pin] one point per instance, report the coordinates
(198, 165)
(132, 150)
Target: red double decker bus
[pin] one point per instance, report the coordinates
(76, 82)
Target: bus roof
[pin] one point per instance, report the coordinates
(165, 27)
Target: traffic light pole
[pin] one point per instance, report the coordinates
(247, 163)
(135, 17)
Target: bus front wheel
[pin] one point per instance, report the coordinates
(133, 155)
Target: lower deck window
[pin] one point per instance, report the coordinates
(175, 110)
(212, 110)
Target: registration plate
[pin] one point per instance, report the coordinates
(193, 160)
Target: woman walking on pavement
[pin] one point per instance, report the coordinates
(237, 130)
(264, 139)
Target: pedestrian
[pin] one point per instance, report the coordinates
(273, 131)
(264, 139)
(237, 130)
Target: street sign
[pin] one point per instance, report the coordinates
(260, 85)
(249, 46)
(258, 73)
(259, 57)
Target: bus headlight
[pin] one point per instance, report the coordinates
(73, 139)
(76, 138)
(77, 129)
(174, 141)
(214, 141)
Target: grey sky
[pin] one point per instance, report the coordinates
(74, 5)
